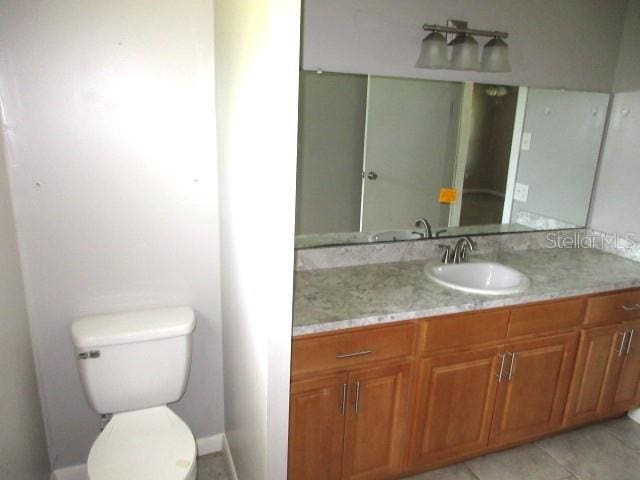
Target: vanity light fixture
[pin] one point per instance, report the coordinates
(495, 56)
(464, 48)
(433, 53)
(464, 53)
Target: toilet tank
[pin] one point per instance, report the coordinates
(135, 360)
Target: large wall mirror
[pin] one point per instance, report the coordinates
(378, 153)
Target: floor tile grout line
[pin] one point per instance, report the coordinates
(626, 444)
(615, 437)
(470, 470)
(557, 460)
(535, 444)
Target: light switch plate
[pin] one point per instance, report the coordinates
(521, 192)
(526, 141)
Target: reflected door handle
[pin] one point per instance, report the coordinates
(372, 176)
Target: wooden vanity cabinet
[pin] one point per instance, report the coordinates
(595, 375)
(375, 403)
(606, 379)
(491, 378)
(316, 427)
(533, 389)
(627, 393)
(376, 420)
(455, 398)
(350, 424)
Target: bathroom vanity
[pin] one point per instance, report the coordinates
(393, 374)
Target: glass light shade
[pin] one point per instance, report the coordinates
(465, 53)
(495, 56)
(433, 53)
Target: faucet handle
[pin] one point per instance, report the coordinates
(446, 254)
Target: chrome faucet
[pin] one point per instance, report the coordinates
(428, 233)
(460, 250)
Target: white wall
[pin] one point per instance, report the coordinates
(615, 206)
(23, 450)
(570, 43)
(109, 123)
(257, 56)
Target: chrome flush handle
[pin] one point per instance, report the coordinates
(356, 405)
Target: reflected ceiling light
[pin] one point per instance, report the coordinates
(433, 53)
(465, 51)
(496, 91)
(495, 56)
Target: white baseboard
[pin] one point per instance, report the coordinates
(206, 445)
(634, 415)
(211, 444)
(228, 458)
(75, 472)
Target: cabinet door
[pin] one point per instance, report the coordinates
(316, 427)
(376, 422)
(454, 405)
(533, 392)
(596, 374)
(628, 388)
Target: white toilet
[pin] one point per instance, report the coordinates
(132, 365)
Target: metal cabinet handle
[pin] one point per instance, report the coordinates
(343, 405)
(631, 332)
(620, 351)
(512, 367)
(502, 357)
(355, 354)
(356, 405)
(629, 308)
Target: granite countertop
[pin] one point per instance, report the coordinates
(337, 298)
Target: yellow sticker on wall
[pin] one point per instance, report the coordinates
(448, 195)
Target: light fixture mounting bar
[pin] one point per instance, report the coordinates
(468, 31)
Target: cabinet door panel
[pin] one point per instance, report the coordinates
(375, 432)
(531, 399)
(628, 389)
(595, 376)
(316, 428)
(454, 405)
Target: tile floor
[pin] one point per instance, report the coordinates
(605, 451)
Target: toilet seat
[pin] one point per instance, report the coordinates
(149, 444)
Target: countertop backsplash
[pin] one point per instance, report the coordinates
(393, 252)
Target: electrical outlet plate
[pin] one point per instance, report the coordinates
(521, 192)
(526, 141)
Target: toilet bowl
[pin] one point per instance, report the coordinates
(150, 444)
(132, 365)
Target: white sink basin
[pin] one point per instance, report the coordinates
(392, 235)
(487, 278)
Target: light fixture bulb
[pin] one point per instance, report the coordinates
(465, 53)
(433, 53)
(495, 56)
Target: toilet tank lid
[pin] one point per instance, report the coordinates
(132, 327)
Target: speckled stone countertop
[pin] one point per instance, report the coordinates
(337, 298)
